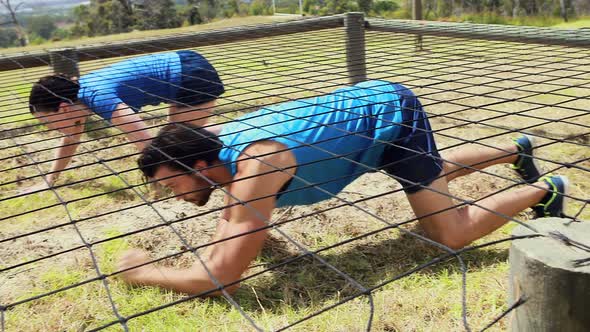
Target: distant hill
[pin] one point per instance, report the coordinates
(31, 6)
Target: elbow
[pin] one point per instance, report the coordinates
(232, 289)
(229, 281)
(223, 283)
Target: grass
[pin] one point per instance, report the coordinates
(282, 296)
(424, 301)
(577, 24)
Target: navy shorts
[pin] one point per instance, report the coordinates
(200, 81)
(412, 158)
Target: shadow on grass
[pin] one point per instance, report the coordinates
(305, 283)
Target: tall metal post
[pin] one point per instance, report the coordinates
(355, 47)
(65, 61)
(417, 15)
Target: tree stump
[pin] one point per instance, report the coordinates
(542, 270)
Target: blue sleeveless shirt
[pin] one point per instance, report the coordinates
(137, 82)
(333, 137)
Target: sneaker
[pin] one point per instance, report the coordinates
(554, 202)
(526, 165)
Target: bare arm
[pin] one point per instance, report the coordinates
(228, 259)
(196, 280)
(63, 155)
(198, 115)
(131, 124)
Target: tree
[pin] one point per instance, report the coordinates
(102, 17)
(157, 14)
(22, 37)
(231, 8)
(121, 20)
(191, 13)
(127, 7)
(209, 9)
(8, 37)
(42, 26)
(337, 6)
(385, 6)
(260, 7)
(61, 34)
(82, 21)
(563, 9)
(365, 5)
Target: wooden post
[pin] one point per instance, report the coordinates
(354, 24)
(65, 61)
(417, 15)
(542, 270)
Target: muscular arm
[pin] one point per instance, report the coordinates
(227, 260)
(131, 124)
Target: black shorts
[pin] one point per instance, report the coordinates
(413, 158)
(200, 81)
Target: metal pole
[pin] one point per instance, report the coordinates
(355, 47)
(417, 15)
(65, 61)
(301, 8)
(274, 8)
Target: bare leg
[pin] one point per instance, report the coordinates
(196, 115)
(477, 157)
(457, 227)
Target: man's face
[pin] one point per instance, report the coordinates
(188, 187)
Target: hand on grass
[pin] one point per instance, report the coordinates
(35, 188)
(140, 275)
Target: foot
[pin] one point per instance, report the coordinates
(526, 164)
(554, 202)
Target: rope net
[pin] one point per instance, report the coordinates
(357, 261)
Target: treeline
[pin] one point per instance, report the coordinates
(104, 17)
(437, 9)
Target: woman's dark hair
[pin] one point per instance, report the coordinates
(50, 91)
(179, 144)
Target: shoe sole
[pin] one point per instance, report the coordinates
(535, 161)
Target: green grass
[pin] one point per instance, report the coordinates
(576, 24)
(8, 112)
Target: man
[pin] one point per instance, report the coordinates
(305, 151)
(185, 80)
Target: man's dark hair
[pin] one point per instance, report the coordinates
(50, 91)
(179, 144)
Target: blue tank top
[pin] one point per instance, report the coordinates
(137, 82)
(333, 137)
